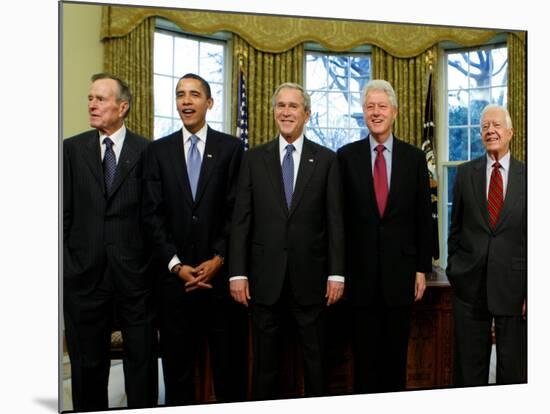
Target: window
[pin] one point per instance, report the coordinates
(475, 78)
(175, 55)
(335, 83)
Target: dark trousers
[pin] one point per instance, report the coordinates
(89, 321)
(187, 322)
(267, 331)
(473, 346)
(380, 343)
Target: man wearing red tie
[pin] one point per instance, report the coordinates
(388, 241)
(487, 258)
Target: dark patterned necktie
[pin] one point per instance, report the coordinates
(109, 164)
(495, 198)
(193, 165)
(380, 179)
(288, 174)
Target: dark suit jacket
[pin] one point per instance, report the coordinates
(269, 241)
(194, 230)
(478, 254)
(385, 253)
(101, 229)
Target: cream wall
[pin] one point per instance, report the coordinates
(82, 57)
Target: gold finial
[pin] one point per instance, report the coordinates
(429, 60)
(241, 53)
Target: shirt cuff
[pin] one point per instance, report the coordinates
(337, 278)
(175, 260)
(238, 278)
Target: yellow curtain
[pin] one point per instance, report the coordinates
(131, 58)
(278, 34)
(409, 78)
(263, 72)
(517, 87)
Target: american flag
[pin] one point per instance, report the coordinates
(428, 148)
(242, 118)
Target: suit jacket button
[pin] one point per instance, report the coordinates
(194, 218)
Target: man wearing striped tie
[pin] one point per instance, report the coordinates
(487, 258)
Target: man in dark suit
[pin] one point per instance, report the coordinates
(105, 257)
(388, 241)
(287, 241)
(487, 258)
(190, 179)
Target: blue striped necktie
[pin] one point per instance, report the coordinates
(288, 174)
(193, 164)
(109, 164)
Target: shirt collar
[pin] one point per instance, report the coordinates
(201, 133)
(298, 144)
(117, 137)
(504, 161)
(388, 144)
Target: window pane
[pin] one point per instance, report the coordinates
(316, 73)
(186, 57)
(319, 116)
(476, 148)
(360, 73)
(163, 127)
(499, 96)
(338, 110)
(163, 54)
(338, 69)
(458, 108)
(216, 113)
(356, 111)
(457, 71)
(211, 62)
(458, 144)
(479, 99)
(500, 67)
(164, 96)
(335, 113)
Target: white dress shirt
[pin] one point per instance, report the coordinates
(118, 141)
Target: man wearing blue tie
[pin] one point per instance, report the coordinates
(189, 191)
(287, 243)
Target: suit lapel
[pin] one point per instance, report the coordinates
(129, 155)
(479, 185)
(92, 155)
(209, 159)
(396, 179)
(177, 158)
(273, 166)
(514, 191)
(307, 165)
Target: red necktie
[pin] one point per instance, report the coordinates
(380, 179)
(495, 198)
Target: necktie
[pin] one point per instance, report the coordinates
(193, 164)
(288, 174)
(380, 179)
(109, 164)
(495, 198)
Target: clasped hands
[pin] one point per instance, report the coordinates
(199, 277)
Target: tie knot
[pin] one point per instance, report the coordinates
(496, 165)
(289, 149)
(380, 148)
(194, 139)
(108, 142)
